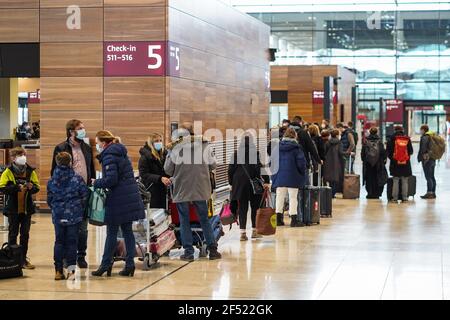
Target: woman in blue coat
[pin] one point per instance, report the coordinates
(123, 201)
(290, 166)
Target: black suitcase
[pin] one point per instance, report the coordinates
(311, 205)
(412, 184)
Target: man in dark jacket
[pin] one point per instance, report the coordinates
(428, 164)
(305, 142)
(348, 145)
(399, 171)
(83, 165)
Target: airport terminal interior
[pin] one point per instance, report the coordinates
(128, 69)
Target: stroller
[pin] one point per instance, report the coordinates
(154, 235)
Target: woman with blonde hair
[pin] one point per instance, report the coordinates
(151, 170)
(123, 201)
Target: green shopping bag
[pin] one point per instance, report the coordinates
(96, 208)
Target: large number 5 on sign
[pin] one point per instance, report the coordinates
(152, 54)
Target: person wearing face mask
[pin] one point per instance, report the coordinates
(151, 170)
(124, 204)
(19, 182)
(83, 165)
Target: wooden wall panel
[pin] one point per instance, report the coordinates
(54, 28)
(135, 24)
(34, 112)
(130, 3)
(66, 3)
(279, 78)
(11, 19)
(137, 94)
(71, 94)
(72, 59)
(19, 4)
(134, 126)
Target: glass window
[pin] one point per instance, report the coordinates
(418, 68)
(418, 90)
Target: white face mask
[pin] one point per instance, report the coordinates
(99, 148)
(21, 161)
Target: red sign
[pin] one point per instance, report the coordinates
(34, 97)
(394, 111)
(137, 58)
(318, 97)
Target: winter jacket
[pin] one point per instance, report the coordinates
(306, 143)
(398, 170)
(88, 157)
(123, 201)
(333, 168)
(320, 145)
(425, 146)
(237, 178)
(379, 170)
(189, 163)
(290, 165)
(151, 170)
(67, 196)
(9, 187)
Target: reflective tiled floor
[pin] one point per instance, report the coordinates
(368, 250)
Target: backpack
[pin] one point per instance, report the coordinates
(437, 147)
(372, 152)
(401, 154)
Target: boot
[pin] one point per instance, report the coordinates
(27, 265)
(280, 220)
(243, 236)
(101, 270)
(427, 195)
(213, 253)
(255, 235)
(127, 272)
(294, 222)
(82, 264)
(59, 275)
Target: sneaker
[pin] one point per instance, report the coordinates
(28, 265)
(187, 257)
(82, 264)
(71, 272)
(59, 275)
(255, 235)
(243, 237)
(214, 254)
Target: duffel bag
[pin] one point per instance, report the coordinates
(11, 261)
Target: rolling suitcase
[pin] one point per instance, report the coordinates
(352, 185)
(311, 205)
(326, 198)
(412, 182)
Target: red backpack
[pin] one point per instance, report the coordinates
(401, 154)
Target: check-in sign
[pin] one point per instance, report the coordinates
(137, 58)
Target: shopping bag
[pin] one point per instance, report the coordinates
(266, 218)
(97, 207)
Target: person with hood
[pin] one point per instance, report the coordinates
(123, 201)
(305, 141)
(245, 165)
(399, 150)
(190, 162)
(373, 155)
(428, 164)
(333, 168)
(19, 182)
(151, 170)
(83, 165)
(290, 176)
(67, 196)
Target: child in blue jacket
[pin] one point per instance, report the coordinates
(67, 196)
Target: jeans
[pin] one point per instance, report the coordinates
(19, 223)
(349, 162)
(185, 226)
(255, 201)
(333, 186)
(82, 239)
(293, 200)
(66, 239)
(395, 188)
(111, 244)
(428, 169)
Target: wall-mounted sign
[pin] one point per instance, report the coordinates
(141, 58)
(318, 97)
(394, 110)
(34, 97)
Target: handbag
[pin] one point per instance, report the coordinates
(226, 214)
(256, 183)
(11, 261)
(266, 218)
(97, 207)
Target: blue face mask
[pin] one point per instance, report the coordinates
(99, 148)
(158, 146)
(81, 134)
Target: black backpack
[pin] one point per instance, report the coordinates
(372, 152)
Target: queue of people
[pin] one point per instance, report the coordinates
(301, 151)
